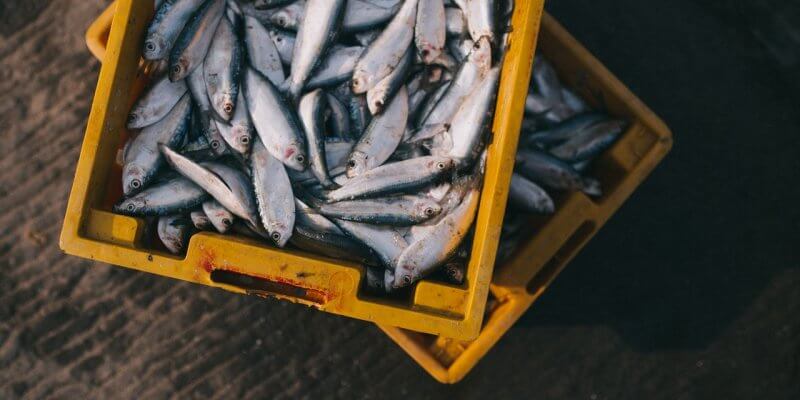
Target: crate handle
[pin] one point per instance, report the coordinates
(564, 254)
(259, 286)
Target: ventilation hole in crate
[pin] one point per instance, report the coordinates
(564, 254)
(265, 287)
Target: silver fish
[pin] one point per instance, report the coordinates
(222, 70)
(394, 178)
(480, 18)
(455, 24)
(545, 80)
(273, 194)
(367, 37)
(529, 196)
(239, 133)
(573, 101)
(226, 185)
(430, 102)
(141, 156)
(155, 103)
(427, 253)
(404, 210)
(192, 44)
(200, 220)
(384, 54)
(460, 48)
(563, 131)
(289, 17)
(335, 245)
(176, 196)
(262, 52)
(311, 110)
(471, 73)
(360, 15)
(589, 143)
(317, 32)
(338, 120)
(174, 232)
(551, 172)
(284, 43)
(196, 82)
(310, 218)
(536, 104)
(380, 94)
(381, 138)
(385, 241)
(221, 219)
(430, 31)
(167, 23)
(336, 153)
(274, 121)
(265, 4)
(336, 67)
(471, 119)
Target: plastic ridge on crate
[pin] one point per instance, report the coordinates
(245, 266)
(558, 238)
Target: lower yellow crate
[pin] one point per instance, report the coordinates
(557, 239)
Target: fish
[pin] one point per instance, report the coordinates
(228, 186)
(174, 196)
(551, 172)
(455, 23)
(200, 220)
(336, 153)
(405, 210)
(529, 196)
(313, 220)
(381, 138)
(275, 122)
(289, 17)
(480, 18)
(472, 72)
(222, 70)
(317, 32)
(167, 23)
(563, 131)
(430, 30)
(335, 245)
(338, 120)
(311, 110)
(174, 232)
(384, 54)
(192, 45)
(238, 133)
(221, 219)
(261, 51)
(385, 90)
(284, 43)
(361, 15)
(422, 256)
(156, 103)
(545, 80)
(266, 4)
(590, 142)
(398, 177)
(336, 67)
(141, 158)
(385, 241)
(276, 205)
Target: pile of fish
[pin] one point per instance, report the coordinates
(354, 129)
(559, 139)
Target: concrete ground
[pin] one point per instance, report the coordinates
(691, 291)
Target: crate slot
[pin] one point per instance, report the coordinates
(264, 287)
(562, 256)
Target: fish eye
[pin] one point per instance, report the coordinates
(429, 211)
(275, 236)
(214, 144)
(130, 207)
(226, 222)
(440, 165)
(176, 69)
(357, 82)
(278, 39)
(351, 164)
(406, 280)
(244, 140)
(228, 108)
(282, 21)
(135, 184)
(300, 158)
(132, 117)
(150, 46)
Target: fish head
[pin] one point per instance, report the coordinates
(225, 104)
(294, 157)
(282, 18)
(376, 99)
(404, 275)
(154, 47)
(178, 69)
(440, 164)
(361, 81)
(279, 233)
(425, 208)
(133, 179)
(221, 221)
(133, 120)
(356, 164)
(481, 54)
(130, 206)
(243, 138)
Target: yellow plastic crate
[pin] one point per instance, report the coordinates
(558, 238)
(90, 230)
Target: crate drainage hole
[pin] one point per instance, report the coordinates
(264, 287)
